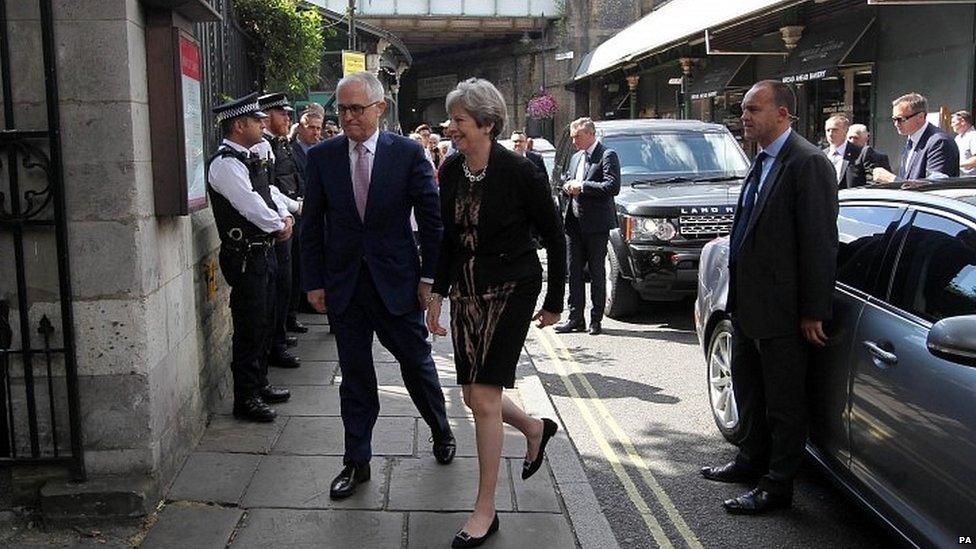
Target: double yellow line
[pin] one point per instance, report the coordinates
(568, 370)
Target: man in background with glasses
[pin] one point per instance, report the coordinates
(929, 152)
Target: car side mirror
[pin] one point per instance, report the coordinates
(954, 339)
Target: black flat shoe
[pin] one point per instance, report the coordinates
(345, 484)
(274, 395)
(254, 409)
(595, 328)
(291, 341)
(570, 326)
(549, 428)
(464, 539)
(444, 449)
(730, 472)
(757, 501)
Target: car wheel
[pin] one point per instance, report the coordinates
(622, 299)
(725, 411)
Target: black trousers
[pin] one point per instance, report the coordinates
(297, 297)
(283, 276)
(769, 382)
(586, 250)
(251, 276)
(406, 338)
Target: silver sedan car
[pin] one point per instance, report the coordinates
(893, 395)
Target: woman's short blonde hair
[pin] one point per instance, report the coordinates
(482, 100)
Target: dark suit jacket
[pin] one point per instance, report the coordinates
(787, 261)
(601, 182)
(936, 151)
(538, 162)
(871, 159)
(515, 205)
(298, 153)
(853, 171)
(336, 243)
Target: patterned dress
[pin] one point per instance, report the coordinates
(490, 262)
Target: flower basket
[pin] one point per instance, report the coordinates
(541, 106)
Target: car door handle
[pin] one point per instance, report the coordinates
(884, 356)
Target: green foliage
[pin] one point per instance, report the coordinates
(285, 43)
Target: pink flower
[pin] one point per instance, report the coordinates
(541, 106)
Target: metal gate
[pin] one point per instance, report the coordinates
(39, 411)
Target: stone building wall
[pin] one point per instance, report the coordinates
(152, 342)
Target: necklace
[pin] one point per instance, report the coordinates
(474, 178)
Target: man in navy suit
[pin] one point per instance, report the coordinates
(928, 150)
(360, 265)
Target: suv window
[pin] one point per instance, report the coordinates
(862, 231)
(679, 153)
(936, 273)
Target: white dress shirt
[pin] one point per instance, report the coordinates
(229, 177)
(836, 156)
(370, 145)
(580, 168)
(967, 149)
(264, 150)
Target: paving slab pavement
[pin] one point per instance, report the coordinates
(267, 485)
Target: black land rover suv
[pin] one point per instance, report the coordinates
(680, 183)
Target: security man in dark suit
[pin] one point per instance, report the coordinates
(249, 223)
(871, 158)
(782, 266)
(288, 188)
(592, 182)
(520, 144)
(846, 157)
(928, 150)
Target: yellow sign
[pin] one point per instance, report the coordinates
(353, 61)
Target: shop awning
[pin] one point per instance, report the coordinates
(716, 78)
(666, 26)
(821, 50)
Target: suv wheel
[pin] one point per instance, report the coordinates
(622, 299)
(719, 371)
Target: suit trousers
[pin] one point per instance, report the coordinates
(586, 249)
(769, 382)
(251, 276)
(405, 337)
(297, 297)
(283, 278)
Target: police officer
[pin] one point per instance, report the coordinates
(249, 223)
(287, 181)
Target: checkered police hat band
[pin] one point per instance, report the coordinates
(241, 110)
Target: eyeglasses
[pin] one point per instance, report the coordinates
(355, 110)
(903, 119)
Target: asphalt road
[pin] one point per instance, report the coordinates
(635, 404)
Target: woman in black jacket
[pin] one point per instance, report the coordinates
(492, 202)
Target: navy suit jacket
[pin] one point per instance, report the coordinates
(601, 183)
(936, 151)
(336, 242)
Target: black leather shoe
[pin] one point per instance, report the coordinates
(444, 449)
(595, 328)
(464, 539)
(757, 501)
(254, 409)
(284, 359)
(345, 484)
(291, 341)
(570, 326)
(529, 468)
(295, 326)
(274, 395)
(730, 472)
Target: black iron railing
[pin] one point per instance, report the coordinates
(39, 403)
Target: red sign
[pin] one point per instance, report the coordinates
(189, 58)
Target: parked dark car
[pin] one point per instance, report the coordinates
(892, 395)
(680, 183)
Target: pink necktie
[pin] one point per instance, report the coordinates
(360, 183)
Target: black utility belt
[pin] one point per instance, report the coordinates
(247, 244)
